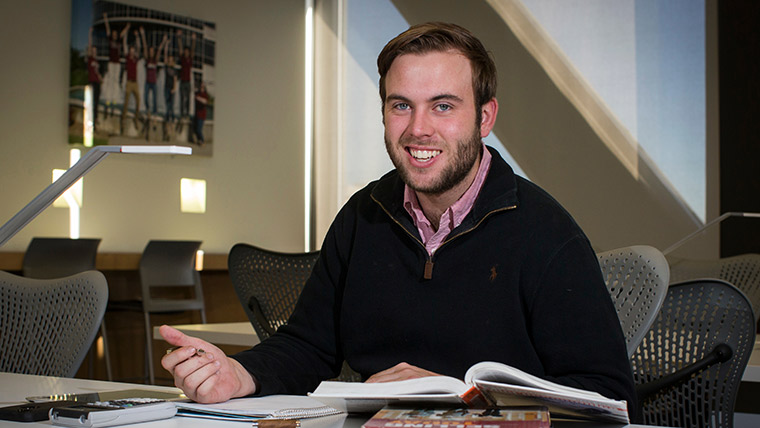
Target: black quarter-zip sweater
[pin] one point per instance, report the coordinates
(517, 282)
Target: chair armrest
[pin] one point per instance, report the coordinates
(255, 307)
(720, 354)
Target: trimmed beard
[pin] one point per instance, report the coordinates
(467, 154)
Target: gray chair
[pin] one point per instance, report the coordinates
(48, 325)
(168, 264)
(743, 271)
(47, 258)
(268, 284)
(58, 257)
(637, 279)
(689, 366)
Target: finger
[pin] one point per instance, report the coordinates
(389, 371)
(401, 371)
(212, 389)
(197, 378)
(192, 364)
(177, 356)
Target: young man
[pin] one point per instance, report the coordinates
(201, 103)
(152, 57)
(185, 75)
(112, 78)
(94, 78)
(131, 88)
(446, 261)
(170, 88)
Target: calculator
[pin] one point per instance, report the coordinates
(113, 412)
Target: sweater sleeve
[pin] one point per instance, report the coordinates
(575, 327)
(305, 350)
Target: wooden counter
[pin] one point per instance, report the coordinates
(12, 261)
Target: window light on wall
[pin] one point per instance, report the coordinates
(72, 198)
(192, 195)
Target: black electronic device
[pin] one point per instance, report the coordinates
(31, 412)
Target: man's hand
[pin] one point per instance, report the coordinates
(401, 371)
(208, 376)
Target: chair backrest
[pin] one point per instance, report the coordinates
(695, 318)
(637, 279)
(169, 264)
(59, 257)
(743, 271)
(48, 325)
(268, 283)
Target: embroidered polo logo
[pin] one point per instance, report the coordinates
(493, 273)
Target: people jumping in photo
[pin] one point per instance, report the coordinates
(131, 87)
(171, 83)
(112, 78)
(152, 56)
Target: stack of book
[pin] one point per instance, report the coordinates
(486, 384)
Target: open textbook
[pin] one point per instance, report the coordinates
(485, 383)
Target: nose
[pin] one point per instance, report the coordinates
(420, 125)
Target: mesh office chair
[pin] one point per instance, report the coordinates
(47, 258)
(48, 325)
(168, 264)
(268, 284)
(742, 271)
(637, 279)
(688, 367)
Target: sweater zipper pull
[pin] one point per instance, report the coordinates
(428, 270)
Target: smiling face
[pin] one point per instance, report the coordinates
(432, 134)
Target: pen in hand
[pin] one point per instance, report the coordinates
(277, 423)
(198, 353)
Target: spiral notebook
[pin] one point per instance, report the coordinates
(254, 408)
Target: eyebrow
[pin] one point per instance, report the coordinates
(449, 97)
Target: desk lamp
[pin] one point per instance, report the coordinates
(82, 167)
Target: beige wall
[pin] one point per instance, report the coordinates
(254, 179)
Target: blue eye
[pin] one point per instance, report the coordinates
(443, 107)
(402, 106)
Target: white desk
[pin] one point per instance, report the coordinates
(15, 387)
(230, 333)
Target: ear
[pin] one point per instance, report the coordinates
(488, 117)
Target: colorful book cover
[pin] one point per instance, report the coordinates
(422, 417)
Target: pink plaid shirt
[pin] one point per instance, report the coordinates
(453, 216)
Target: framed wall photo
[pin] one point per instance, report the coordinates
(140, 76)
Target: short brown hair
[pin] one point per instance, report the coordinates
(439, 37)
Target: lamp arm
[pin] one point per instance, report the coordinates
(706, 226)
(78, 170)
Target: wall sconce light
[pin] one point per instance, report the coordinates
(192, 195)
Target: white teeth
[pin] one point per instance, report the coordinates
(424, 155)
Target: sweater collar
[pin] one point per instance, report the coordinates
(499, 191)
